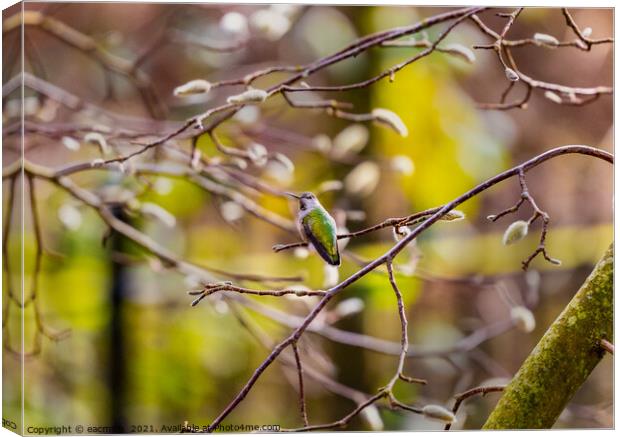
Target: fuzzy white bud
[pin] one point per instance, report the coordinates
(462, 51)
(234, 23)
(322, 143)
(348, 307)
(550, 95)
(438, 413)
(543, 38)
(252, 95)
(403, 165)
(390, 119)
(363, 179)
(248, 115)
(270, 23)
(198, 86)
(517, 231)
(351, 140)
(239, 162)
(356, 215)
(99, 140)
(258, 154)
(523, 318)
(288, 10)
(371, 416)
(285, 161)
(511, 75)
(70, 216)
(330, 276)
(587, 32)
(301, 252)
(70, 143)
(332, 185)
(231, 211)
(162, 186)
(454, 216)
(156, 211)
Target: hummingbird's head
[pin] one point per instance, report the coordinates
(307, 200)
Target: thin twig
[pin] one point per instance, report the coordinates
(483, 390)
(300, 374)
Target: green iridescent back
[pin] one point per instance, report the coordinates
(320, 229)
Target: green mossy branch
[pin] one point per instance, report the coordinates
(563, 359)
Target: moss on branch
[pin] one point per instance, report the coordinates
(563, 359)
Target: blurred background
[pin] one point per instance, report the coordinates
(137, 353)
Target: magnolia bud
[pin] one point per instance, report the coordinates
(162, 186)
(371, 416)
(523, 318)
(241, 163)
(438, 413)
(403, 165)
(363, 179)
(390, 119)
(197, 86)
(231, 211)
(70, 143)
(515, 232)
(453, 216)
(332, 185)
(70, 216)
(159, 213)
(272, 24)
(322, 143)
(511, 75)
(462, 51)
(351, 140)
(258, 154)
(234, 23)
(587, 32)
(553, 97)
(301, 253)
(356, 215)
(331, 276)
(247, 115)
(98, 139)
(252, 95)
(349, 307)
(543, 38)
(285, 161)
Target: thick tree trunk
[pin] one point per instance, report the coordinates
(563, 359)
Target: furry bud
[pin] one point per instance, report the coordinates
(252, 95)
(515, 232)
(438, 413)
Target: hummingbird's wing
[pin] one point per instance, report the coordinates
(320, 229)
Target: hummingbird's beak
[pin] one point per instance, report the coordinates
(292, 195)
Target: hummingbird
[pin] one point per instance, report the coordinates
(316, 226)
